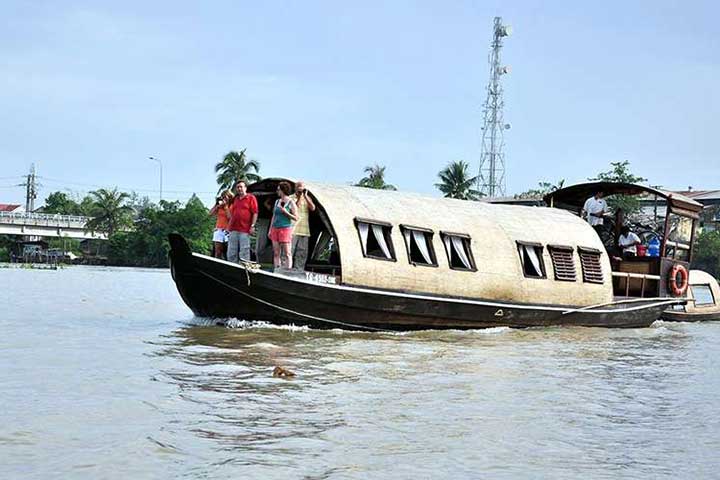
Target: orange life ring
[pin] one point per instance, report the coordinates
(681, 288)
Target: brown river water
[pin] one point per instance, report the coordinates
(104, 373)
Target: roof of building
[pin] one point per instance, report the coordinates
(8, 207)
(703, 196)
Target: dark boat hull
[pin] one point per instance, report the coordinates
(677, 316)
(219, 289)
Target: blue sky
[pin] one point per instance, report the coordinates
(318, 90)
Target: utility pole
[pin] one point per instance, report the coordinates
(491, 178)
(31, 190)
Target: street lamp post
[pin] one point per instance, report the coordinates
(159, 163)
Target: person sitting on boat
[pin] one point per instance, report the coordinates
(243, 213)
(301, 234)
(594, 210)
(628, 242)
(281, 226)
(220, 234)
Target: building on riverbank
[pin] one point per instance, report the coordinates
(653, 208)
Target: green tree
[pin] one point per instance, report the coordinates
(620, 173)
(375, 178)
(60, 202)
(109, 211)
(236, 166)
(543, 189)
(138, 204)
(146, 245)
(707, 253)
(456, 182)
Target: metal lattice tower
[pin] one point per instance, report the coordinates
(491, 180)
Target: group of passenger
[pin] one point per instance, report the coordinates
(288, 228)
(595, 210)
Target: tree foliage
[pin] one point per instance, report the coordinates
(138, 228)
(61, 203)
(543, 189)
(620, 173)
(109, 210)
(146, 245)
(707, 253)
(375, 178)
(236, 166)
(456, 182)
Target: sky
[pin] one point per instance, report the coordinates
(319, 90)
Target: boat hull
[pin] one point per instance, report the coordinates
(219, 289)
(677, 316)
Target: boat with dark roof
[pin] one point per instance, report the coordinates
(385, 260)
(671, 221)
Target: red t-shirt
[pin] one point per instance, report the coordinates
(241, 213)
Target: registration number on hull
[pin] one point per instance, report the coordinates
(320, 278)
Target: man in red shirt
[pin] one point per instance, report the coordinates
(243, 213)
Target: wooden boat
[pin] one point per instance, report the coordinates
(703, 296)
(670, 218)
(384, 260)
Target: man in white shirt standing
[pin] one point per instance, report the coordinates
(628, 242)
(594, 210)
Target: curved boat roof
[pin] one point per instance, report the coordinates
(575, 195)
(494, 231)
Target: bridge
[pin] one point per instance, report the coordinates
(46, 225)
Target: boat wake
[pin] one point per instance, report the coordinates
(234, 323)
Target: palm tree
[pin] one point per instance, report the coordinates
(109, 211)
(375, 179)
(456, 182)
(236, 166)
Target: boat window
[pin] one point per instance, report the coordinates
(375, 239)
(703, 295)
(679, 237)
(418, 242)
(457, 248)
(531, 258)
(590, 263)
(563, 263)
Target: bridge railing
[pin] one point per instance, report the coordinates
(44, 219)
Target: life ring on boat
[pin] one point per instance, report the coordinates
(678, 289)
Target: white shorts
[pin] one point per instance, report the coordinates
(220, 235)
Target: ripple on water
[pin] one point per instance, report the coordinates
(128, 384)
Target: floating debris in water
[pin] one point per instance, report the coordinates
(282, 372)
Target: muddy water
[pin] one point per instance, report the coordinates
(104, 373)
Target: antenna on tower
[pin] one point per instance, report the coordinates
(491, 180)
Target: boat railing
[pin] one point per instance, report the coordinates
(643, 277)
(682, 246)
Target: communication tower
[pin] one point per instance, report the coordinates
(491, 180)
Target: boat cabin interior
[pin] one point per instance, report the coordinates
(323, 253)
(664, 222)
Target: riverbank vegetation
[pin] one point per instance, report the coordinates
(138, 228)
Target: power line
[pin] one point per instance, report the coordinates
(94, 186)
